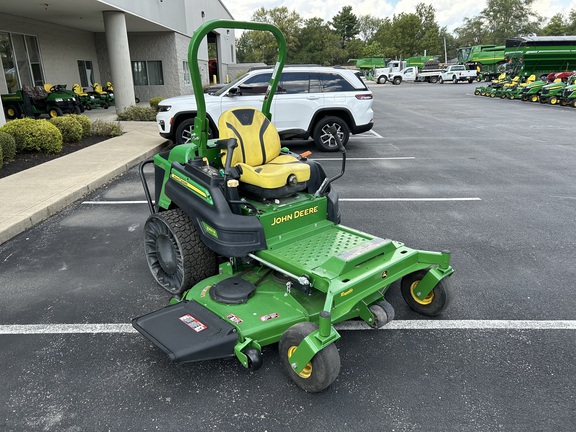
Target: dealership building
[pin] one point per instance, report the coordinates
(141, 47)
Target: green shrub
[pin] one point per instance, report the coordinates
(154, 103)
(8, 146)
(1, 159)
(85, 123)
(69, 127)
(30, 135)
(108, 129)
(136, 113)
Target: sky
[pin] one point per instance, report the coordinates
(449, 13)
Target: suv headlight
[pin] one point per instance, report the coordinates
(164, 108)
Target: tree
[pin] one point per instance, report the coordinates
(319, 44)
(373, 49)
(259, 46)
(345, 24)
(509, 18)
(368, 25)
(556, 26)
(472, 32)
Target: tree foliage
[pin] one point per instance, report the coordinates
(345, 24)
(403, 35)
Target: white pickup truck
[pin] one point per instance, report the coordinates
(456, 73)
(412, 73)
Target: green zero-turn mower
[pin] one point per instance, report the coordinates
(246, 236)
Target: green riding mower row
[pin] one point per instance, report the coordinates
(557, 88)
(245, 235)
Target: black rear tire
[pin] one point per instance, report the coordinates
(185, 129)
(324, 139)
(176, 256)
(12, 111)
(322, 370)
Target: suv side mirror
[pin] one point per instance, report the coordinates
(233, 91)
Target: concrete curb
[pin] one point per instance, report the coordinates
(35, 194)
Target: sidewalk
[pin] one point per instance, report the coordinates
(35, 194)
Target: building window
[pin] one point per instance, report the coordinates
(187, 79)
(147, 73)
(86, 72)
(21, 60)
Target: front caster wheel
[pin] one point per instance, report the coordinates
(434, 303)
(321, 371)
(383, 313)
(254, 358)
(175, 253)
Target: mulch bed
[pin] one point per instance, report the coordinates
(27, 160)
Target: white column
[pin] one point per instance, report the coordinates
(2, 118)
(119, 56)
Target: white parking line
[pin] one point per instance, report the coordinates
(407, 199)
(368, 133)
(365, 158)
(113, 202)
(340, 199)
(31, 329)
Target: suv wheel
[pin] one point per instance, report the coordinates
(324, 139)
(184, 131)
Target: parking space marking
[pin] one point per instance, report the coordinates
(113, 202)
(365, 158)
(368, 133)
(340, 199)
(34, 329)
(408, 199)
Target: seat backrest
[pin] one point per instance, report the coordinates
(258, 139)
(97, 88)
(48, 87)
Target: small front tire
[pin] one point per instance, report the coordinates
(434, 303)
(321, 371)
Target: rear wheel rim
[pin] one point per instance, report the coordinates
(327, 138)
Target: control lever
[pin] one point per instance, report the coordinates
(324, 186)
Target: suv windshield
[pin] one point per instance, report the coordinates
(230, 85)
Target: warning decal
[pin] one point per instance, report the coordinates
(269, 316)
(193, 323)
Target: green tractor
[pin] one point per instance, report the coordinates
(551, 92)
(568, 95)
(515, 90)
(246, 237)
(532, 91)
(488, 90)
(36, 101)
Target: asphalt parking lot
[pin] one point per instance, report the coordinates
(491, 180)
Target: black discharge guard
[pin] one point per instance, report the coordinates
(188, 332)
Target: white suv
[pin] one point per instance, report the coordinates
(309, 100)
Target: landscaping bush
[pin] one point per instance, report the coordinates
(154, 103)
(69, 127)
(1, 159)
(135, 113)
(8, 146)
(30, 135)
(85, 123)
(108, 129)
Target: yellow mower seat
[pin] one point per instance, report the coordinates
(98, 89)
(529, 80)
(79, 90)
(48, 87)
(266, 172)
